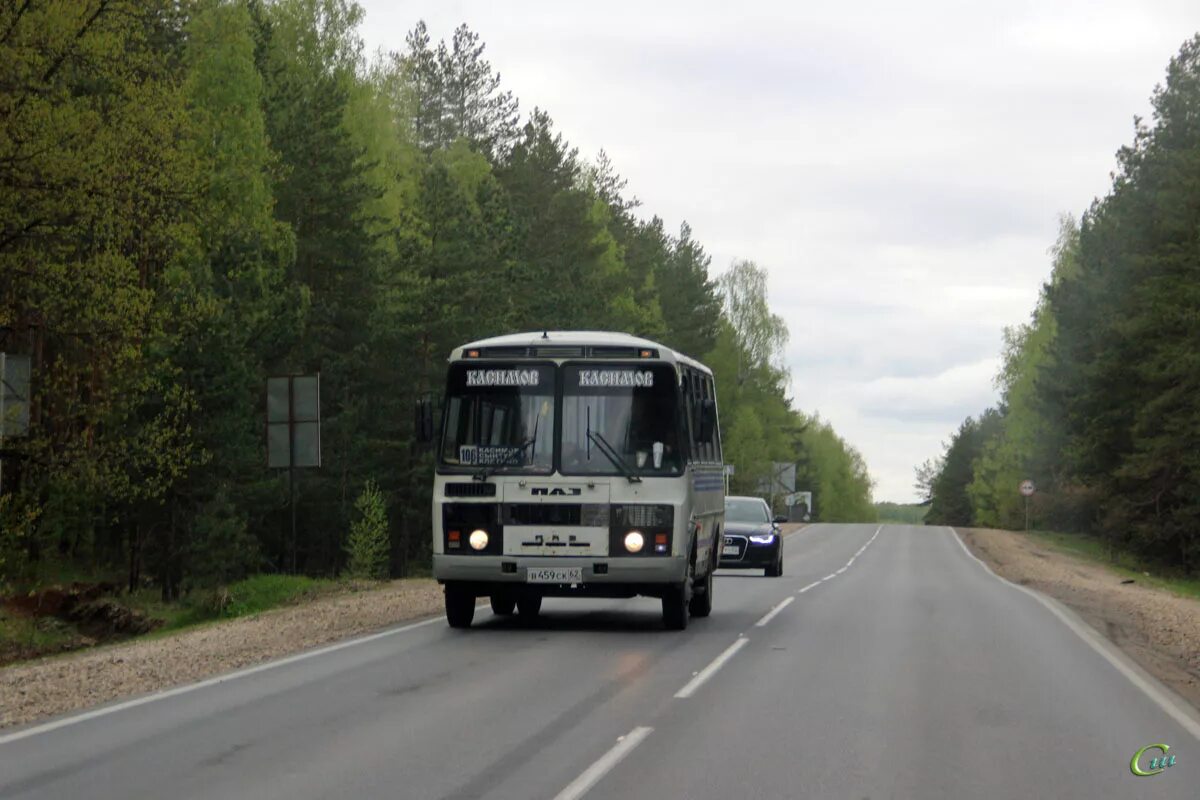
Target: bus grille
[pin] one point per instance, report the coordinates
(472, 489)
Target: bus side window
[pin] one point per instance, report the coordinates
(687, 416)
(720, 459)
(710, 446)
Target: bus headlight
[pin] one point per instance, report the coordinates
(479, 539)
(634, 541)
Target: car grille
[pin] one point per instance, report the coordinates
(742, 543)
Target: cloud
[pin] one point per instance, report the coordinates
(897, 168)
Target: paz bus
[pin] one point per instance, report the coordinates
(575, 464)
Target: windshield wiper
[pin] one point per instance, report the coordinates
(507, 461)
(610, 452)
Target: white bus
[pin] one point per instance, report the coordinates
(576, 464)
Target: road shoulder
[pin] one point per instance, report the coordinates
(1158, 629)
(48, 687)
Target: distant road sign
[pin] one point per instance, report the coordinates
(1027, 488)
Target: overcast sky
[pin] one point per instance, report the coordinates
(898, 168)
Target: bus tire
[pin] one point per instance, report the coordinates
(528, 606)
(701, 604)
(675, 607)
(460, 606)
(503, 605)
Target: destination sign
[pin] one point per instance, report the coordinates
(503, 377)
(619, 378)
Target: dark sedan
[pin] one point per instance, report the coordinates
(752, 538)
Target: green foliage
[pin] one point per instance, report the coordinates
(835, 473)
(369, 548)
(1101, 389)
(222, 550)
(951, 503)
(901, 513)
(197, 195)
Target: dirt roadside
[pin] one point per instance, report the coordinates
(1158, 629)
(51, 686)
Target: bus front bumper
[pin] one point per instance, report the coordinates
(601, 576)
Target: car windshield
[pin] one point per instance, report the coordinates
(499, 417)
(631, 410)
(745, 509)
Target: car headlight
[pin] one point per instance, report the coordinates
(478, 539)
(634, 541)
(766, 539)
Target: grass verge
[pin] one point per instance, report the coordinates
(24, 636)
(1124, 564)
(250, 596)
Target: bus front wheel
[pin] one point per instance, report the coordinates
(702, 597)
(675, 607)
(460, 606)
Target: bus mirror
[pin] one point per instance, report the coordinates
(708, 419)
(424, 420)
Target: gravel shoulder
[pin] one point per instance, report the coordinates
(1158, 629)
(52, 686)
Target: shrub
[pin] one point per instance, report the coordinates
(370, 546)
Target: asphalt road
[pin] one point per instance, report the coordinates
(911, 673)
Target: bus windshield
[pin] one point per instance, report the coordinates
(499, 417)
(632, 409)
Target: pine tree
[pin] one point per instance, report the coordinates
(368, 547)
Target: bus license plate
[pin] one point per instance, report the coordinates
(554, 575)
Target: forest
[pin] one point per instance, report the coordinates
(1100, 390)
(198, 194)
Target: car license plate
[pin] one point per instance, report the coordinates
(729, 550)
(554, 575)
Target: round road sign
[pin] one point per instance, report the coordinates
(1027, 488)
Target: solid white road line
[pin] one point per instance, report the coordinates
(829, 577)
(810, 586)
(1135, 675)
(840, 571)
(771, 614)
(204, 684)
(712, 669)
(592, 775)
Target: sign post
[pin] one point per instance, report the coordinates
(1027, 490)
